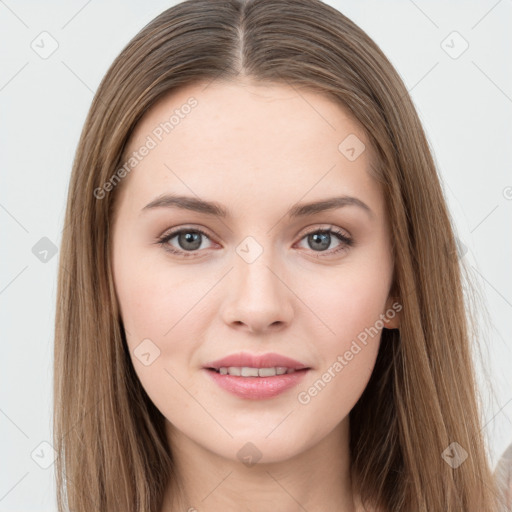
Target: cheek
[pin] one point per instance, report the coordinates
(152, 296)
(165, 305)
(350, 308)
(348, 303)
(347, 363)
(153, 310)
(144, 305)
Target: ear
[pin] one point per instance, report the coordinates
(391, 316)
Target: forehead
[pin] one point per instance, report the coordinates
(244, 141)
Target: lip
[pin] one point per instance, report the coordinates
(267, 360)
(257, 388)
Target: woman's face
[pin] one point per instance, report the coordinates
(263, 278)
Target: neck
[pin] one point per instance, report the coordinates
(316, 479)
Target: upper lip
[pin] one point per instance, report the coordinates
(269, 360)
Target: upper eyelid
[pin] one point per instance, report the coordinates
(305, 231)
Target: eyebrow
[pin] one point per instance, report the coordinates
(217, 210)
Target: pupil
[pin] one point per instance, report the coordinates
(325, 238)
(191, 238)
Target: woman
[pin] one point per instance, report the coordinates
(310, 349)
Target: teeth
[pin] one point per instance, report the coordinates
(246, 371)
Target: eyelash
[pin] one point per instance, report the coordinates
(347, 242)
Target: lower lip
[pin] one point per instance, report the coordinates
(257, 388)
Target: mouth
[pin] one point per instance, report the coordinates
(248, 364)
(256, 383)
(247, 371)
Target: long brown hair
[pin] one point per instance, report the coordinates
(112, 451)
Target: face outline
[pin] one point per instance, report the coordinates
(274, 149)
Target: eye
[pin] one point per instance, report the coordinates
(189, 241)
(321, 239)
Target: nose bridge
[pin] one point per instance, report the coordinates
(256, 267)
(258, 298)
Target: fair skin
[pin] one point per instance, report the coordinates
(258, 151)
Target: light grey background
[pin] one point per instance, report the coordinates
(465, 104)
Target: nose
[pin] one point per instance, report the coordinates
(258, 298)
